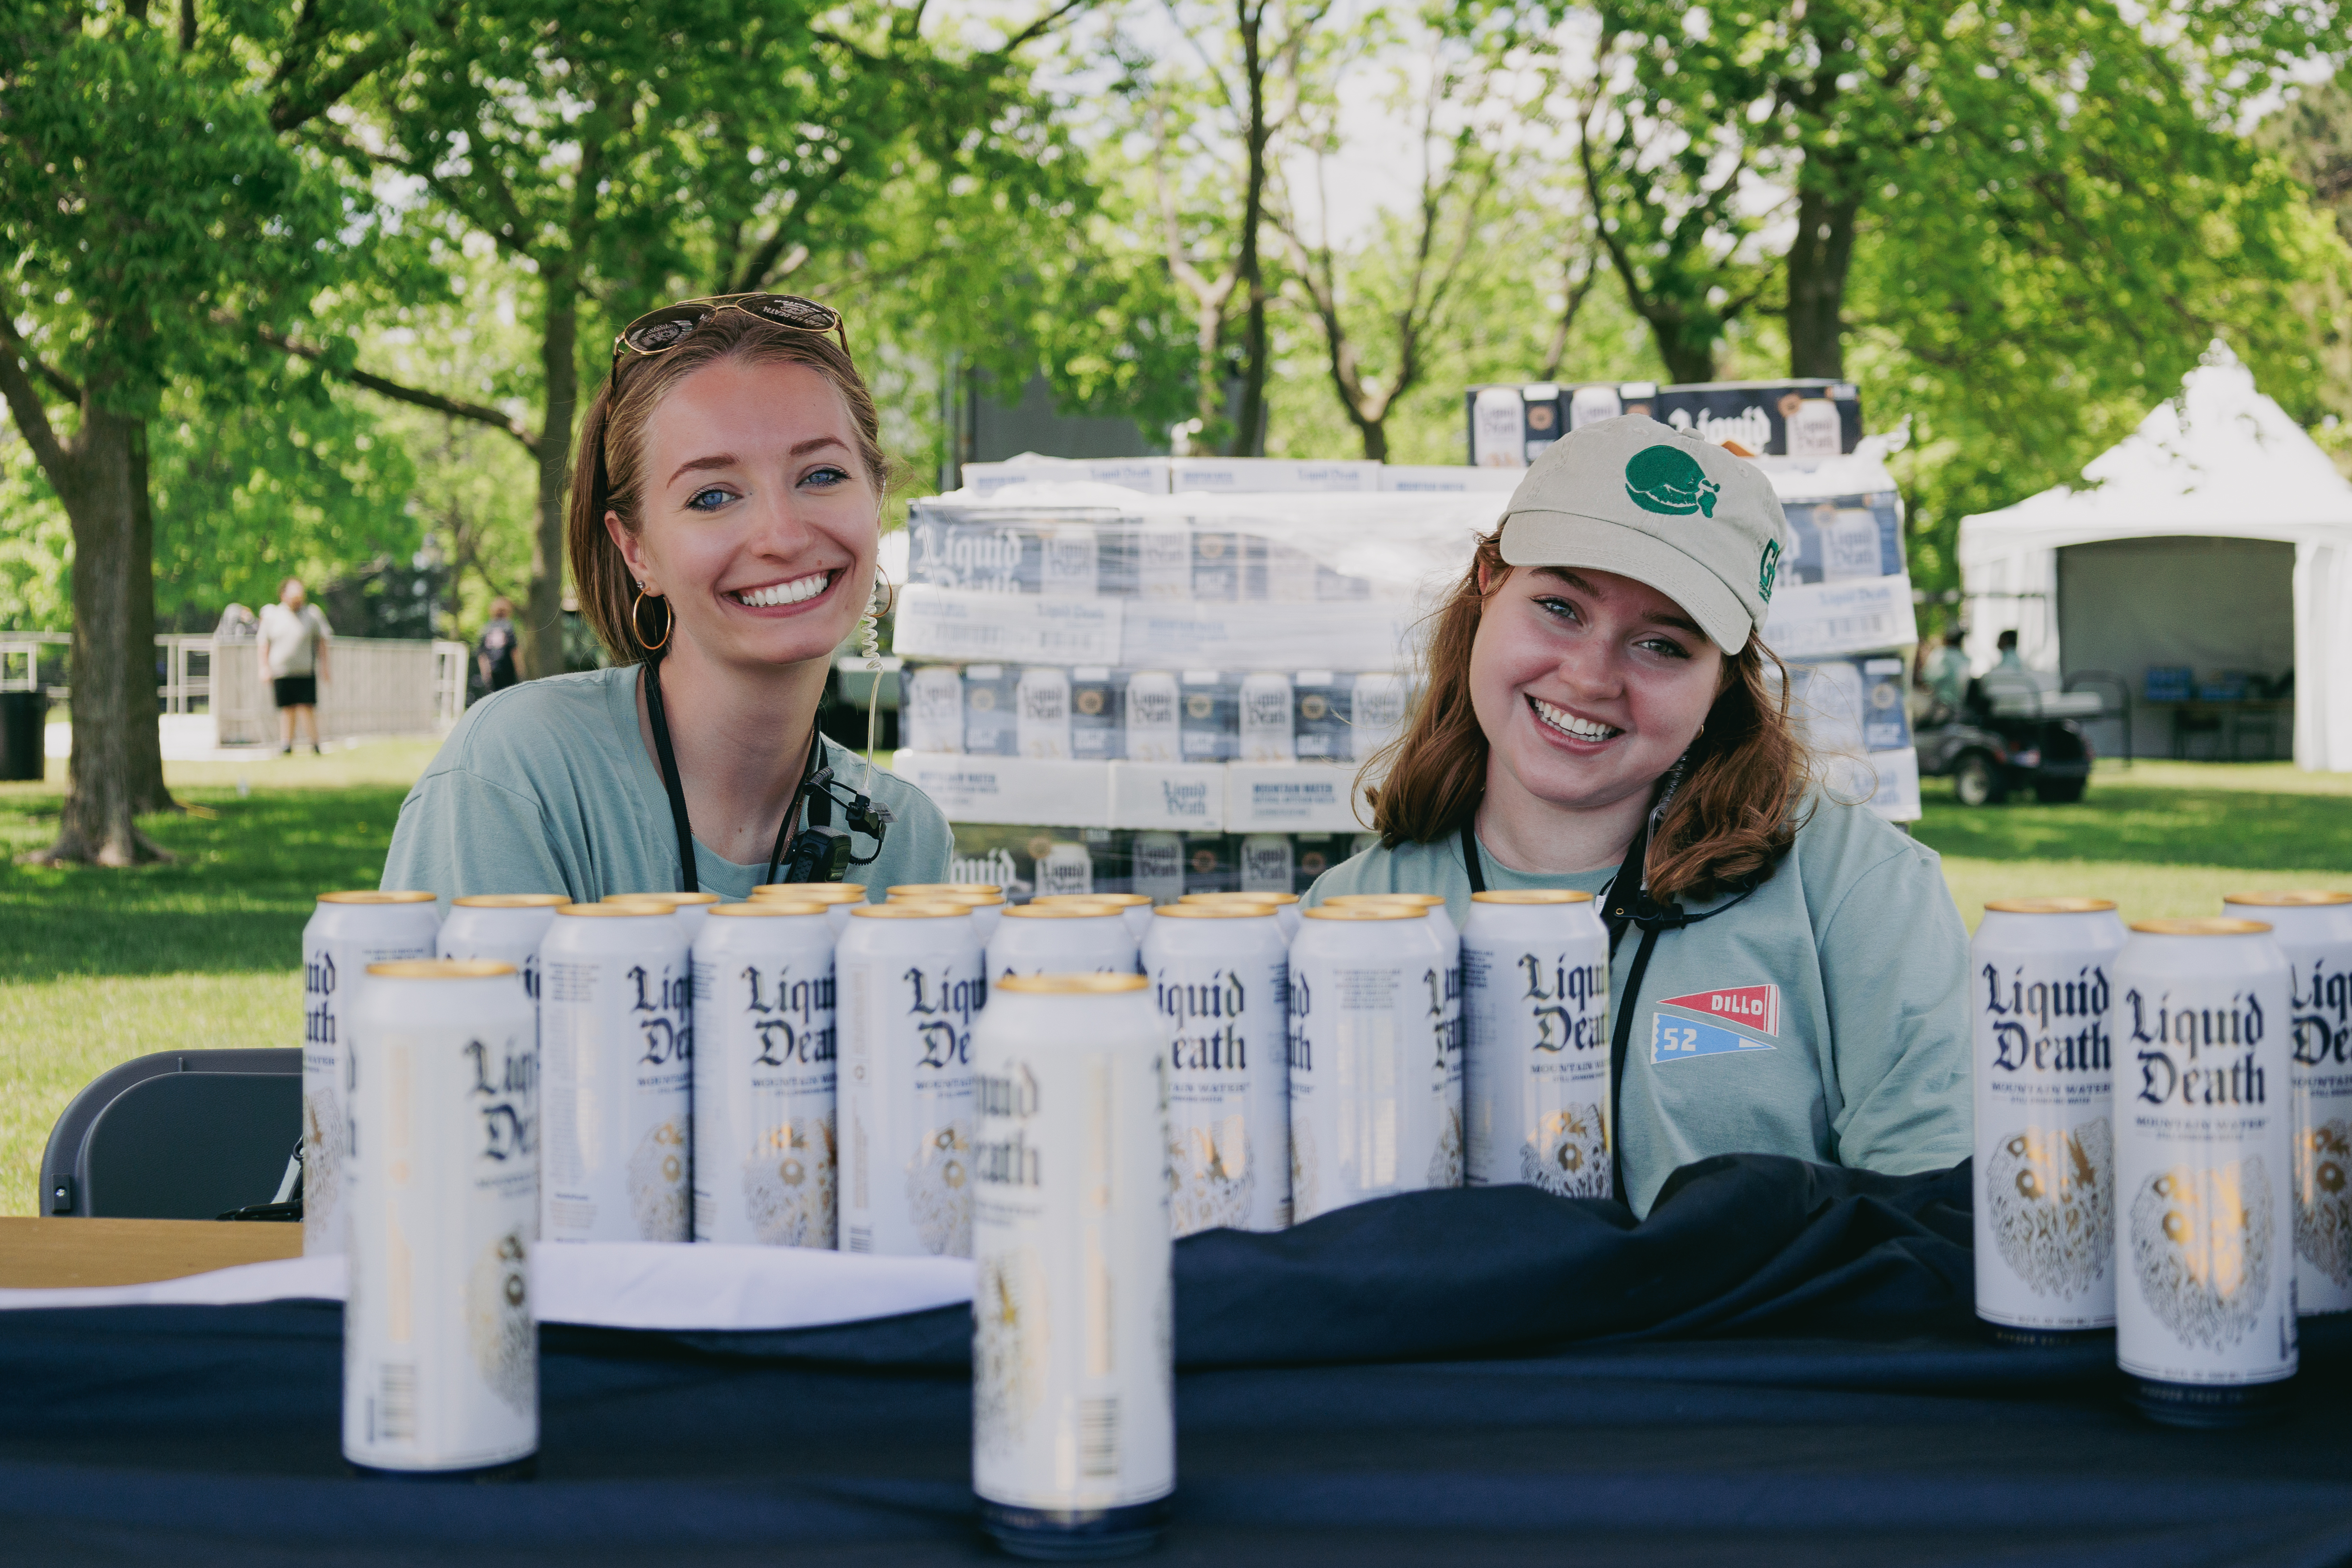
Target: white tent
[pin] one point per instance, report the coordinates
(2212, 490)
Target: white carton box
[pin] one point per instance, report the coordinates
(1009, 790)
(1193, 633)
(1886, 781)
(1451, 479)
(1016, 628)
(1821, 620)
(1146, 476)
(1292, 798)
(1180, 796)
(1268, 476)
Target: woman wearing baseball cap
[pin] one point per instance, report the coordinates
(1789, 970)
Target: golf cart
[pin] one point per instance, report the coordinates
(2010, 735)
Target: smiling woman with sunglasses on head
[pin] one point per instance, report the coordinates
(724, 520)
(1788, 971)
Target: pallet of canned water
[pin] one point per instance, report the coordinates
(1164, 866)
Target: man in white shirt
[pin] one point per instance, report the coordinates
(293, 640)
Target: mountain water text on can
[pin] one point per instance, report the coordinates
(1535, 1011)
(1074, 1423)
(440, 1338)
(2315, 930)
(1375, 1085)
(910, 981)
(2205, 1318)
(2042, 990)
(347, 933)
(616, 1052)
(1220, 976)
(763, 1076)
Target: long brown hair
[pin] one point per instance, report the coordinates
(1738, 810)
(607, 591)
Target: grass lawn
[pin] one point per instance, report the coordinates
(100, 966)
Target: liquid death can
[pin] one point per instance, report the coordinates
(504, 928)
(1267, 865)
(984, 900)
(1283, 905)
(1265, 720)
(1375, 1093)
(1156, 867)
(909, 983)
(1535, 1011)
(1220, 975)
(1071, 936)
(1376, 705)
(2204, 1139)
(1074, 1423)
(763, 1083)
(691, 909)
(616, 1044)
(1445, 983)
(1154, 726)
(346, 933)
(839, 897)
(2315, 930)
(2042, 986)
(440, 1340)
(1135, 908)
(1042, 722)
(933, 703)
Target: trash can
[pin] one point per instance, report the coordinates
(24, 720)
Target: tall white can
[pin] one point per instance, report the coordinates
(1445, 983)
(1534, 1013)
(1220, 975)
(1154, 717)
(1265, 720)
(346, 932)
(1375, 711)
(691, 909)
(838, 899)
(1070, 564)
(1375, 1085)
(933, 719)
(1066, 866)
(984, 900)
(2042, 990)
(1042, 712)
(1135, 908)
(1066, 937)
(2315, 930)
(1283, 905)
(763, 1076)
(504, 928)
(440, 1338)
(1074, 1420)
(616, 1048)
(910, 981)
(1268, 863)
(1155, 866)
(2205, 1318)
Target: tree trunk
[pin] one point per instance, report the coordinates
(542, 629)
(1376, 439)
(1249, 436)
(117, 769)
(1818, 260)
(1686, 362)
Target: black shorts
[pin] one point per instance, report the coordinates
(295, 691)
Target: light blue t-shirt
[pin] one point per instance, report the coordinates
(1825, 1017)
(546, 787)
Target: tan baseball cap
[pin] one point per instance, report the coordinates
(1647, 502)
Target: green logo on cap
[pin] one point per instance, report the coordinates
(1668, 480)
(1768, 568)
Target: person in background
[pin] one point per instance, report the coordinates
(293, 638)
(2007, 646)
(1945, 674)
(494, 655)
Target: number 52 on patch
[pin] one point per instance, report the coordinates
(1674, 1039)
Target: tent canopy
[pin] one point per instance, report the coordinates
(2220, 461)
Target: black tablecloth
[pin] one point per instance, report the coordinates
(1778, 1366)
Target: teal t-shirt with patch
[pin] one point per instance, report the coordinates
(1825, 1017)
(546, 788)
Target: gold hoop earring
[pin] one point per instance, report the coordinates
(636, 622)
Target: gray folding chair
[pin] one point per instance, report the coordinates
(177, 1135)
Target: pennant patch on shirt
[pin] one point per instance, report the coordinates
(1674, 1039)
(1756, 1007)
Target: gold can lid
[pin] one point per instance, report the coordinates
(1532, 896)
(1070, 912)
(1419, 900)
(2203, 925)
(823, 893)
(910, 888)
(770, 907)
(2051, 906)
(1218, 909)
(371, 896)
(969, 901)
(1239, 898)
(673, 900)
(633, 908)
(1366, 911)
(1117, 900)
(909, 910)
(1070, 985)
(440, 969)
(511, 901)
(2296, 898)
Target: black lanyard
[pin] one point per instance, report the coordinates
(660, 721)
